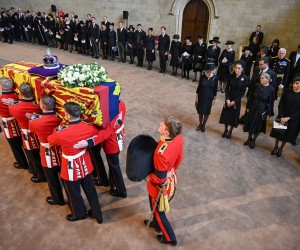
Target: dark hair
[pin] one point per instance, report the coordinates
(48, 101)
(73, 109)
(264, 59)
(173, 126)
(139, 24)
(258, 25)
(240, 62)
(163, 27)
(26, 90)
(150, 29)
(276, 41)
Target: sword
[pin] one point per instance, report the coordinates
(154, 207)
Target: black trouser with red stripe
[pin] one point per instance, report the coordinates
(160, 220)
(34, 161)
(52, 176)
(16, 146)
(115, 173)
(75, 199)
(99, 168)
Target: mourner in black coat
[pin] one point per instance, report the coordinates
(206, 94)
(140, 40)
(288, 113)
(150, 48)
(199, 56)
(257, 33)
(213, 51)
(112, 42)
(131, 43)
(94, 34)
(122, 39)
(226, 61)
(175, 53)
(163, 49)
(295, 64)
(261, 108)
(248, 60)
(187, 57)
(235, 89)
(104, 41)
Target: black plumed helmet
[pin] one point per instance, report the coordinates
(139, 161)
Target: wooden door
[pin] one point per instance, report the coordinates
(195, 20)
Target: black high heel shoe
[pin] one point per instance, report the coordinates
(229, 134)
(274, 151)
(278, 153)
(224, 133)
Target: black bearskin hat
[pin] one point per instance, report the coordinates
(139, 162)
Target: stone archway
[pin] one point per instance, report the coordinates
(179, 6)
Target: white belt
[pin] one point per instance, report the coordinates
(170, 173)
(26, 132)
(70, 159)
(120, 137)
(7, 119)
(6, 130)
(47, 154)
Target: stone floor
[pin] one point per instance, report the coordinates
(228, 197)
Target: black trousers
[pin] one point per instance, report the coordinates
(34, 161)
(99, 168)
(95, 46)
(122, 51)
(140, 56)
(75, 199)
(53, 180)
(115, 173)
(16, 146)
(163, 60)
(160, 220)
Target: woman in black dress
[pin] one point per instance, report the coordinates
(235, 89)
(150, 48)
(226, 60)
(248, 59)
(261, 108)
(130, 43)
(112, 42)
(68, 35)
(175, 53)
(206, 94)
(288, 112)
(187, 57)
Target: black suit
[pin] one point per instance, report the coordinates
(294, 66)
(94, 33)
(140, 41)
(104, 43)
(122, 38)
(260, 36)
(163, 47)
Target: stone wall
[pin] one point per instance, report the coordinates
(237, 18)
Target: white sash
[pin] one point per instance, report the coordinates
(71, 159)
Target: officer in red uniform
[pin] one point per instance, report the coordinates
(43, 125)
(10, 125)
(76, 164)
(30, 141)
(167, 157)
(112, 147)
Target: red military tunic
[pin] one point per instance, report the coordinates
(167, 157)
(19, 110)
(76, 163)
(10, 124)
(43, 125)
(114, 143)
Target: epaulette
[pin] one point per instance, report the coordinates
(88, 123)
(287, 59)
(35, 116)
(162, 148)
(274, 57)
(15, 102)
(61, 128)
